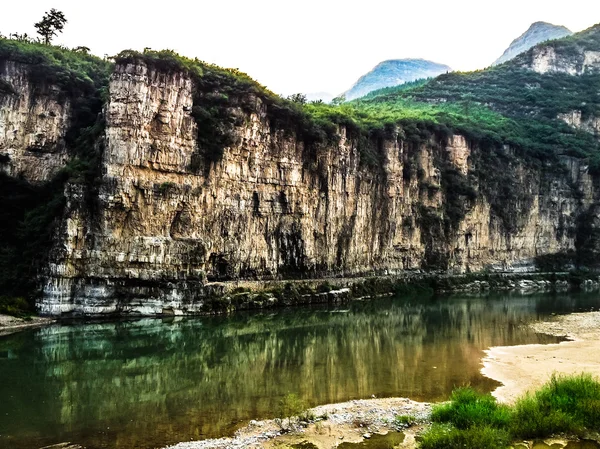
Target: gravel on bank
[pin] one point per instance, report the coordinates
(10, 324)
(348, 421)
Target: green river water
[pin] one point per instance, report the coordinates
(146, 383)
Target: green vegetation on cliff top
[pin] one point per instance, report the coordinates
(502, 105)
(493, 107)
(508, 104)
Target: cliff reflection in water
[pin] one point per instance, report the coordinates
(151, 382)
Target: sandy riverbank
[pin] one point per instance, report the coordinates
(525, 368)
(10, 324)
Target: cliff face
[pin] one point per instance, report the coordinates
(577, 120)
(161, 230)
(34, 119)
(546, 59)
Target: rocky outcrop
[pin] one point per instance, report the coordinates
(34, 119)
(545, 59)
(164, 236)
(578, 121)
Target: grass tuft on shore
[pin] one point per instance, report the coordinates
(468, 408)
(477, 437)
(566, 404)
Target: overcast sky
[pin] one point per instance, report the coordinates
(307, 46)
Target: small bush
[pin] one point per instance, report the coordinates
(17, 307)
(292, 408)
(566, 404)
(325, 287)
(534, 420)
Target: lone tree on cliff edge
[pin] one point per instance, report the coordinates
(52, 23)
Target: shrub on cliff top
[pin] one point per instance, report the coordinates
(76, 73)
(163, 60)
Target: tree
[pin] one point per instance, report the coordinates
(51, 24)
(338, 100)
(298, 98)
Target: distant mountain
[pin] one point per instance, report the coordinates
(393, 73)
(537, 33)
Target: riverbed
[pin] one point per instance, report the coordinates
(148, 383)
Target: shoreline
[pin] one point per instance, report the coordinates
(258, 296)
(225, 297)
(524, 368)
(10, 324)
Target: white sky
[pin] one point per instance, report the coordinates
(306, 46)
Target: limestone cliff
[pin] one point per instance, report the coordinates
(34, 119)
(162, 231)
(577, 120)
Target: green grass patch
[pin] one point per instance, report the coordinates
(405, 420)
(444, 436)
(566, 404)
(468, 408)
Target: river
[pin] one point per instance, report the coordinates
(146, 383)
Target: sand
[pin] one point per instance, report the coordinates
(525, 368)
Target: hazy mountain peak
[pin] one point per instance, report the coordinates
(538, 32)
(394, 72)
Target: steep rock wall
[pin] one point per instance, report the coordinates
(577, 121)
(546, 59)
(34, 119)
(161, 232)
